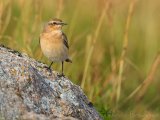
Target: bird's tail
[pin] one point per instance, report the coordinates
(68, 60)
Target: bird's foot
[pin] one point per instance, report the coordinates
(48, 69)
(61, 75)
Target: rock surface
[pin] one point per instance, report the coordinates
(28, 91)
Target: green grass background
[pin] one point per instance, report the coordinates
(121, 86)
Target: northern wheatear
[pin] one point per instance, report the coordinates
(54, 43)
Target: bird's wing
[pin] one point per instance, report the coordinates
(65, 41)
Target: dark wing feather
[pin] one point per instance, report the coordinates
(65, 41)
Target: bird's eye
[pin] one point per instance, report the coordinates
(54, 23)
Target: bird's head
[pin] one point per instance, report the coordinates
(56, 24)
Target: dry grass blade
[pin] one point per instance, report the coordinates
(125, 46)
(150, 77)
(60, 8)
(143, 87)
(5, 15)
(93, 43)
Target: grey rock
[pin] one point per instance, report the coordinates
(28, 91)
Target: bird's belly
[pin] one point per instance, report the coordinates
(56, 51)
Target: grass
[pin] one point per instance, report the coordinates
(114, 46)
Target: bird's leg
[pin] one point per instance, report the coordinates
(50, 65)
(62, 69)
(62, 74)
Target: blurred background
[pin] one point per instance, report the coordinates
(114, 45)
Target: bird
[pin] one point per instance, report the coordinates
(54, 43)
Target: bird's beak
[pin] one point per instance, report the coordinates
(62, 23)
